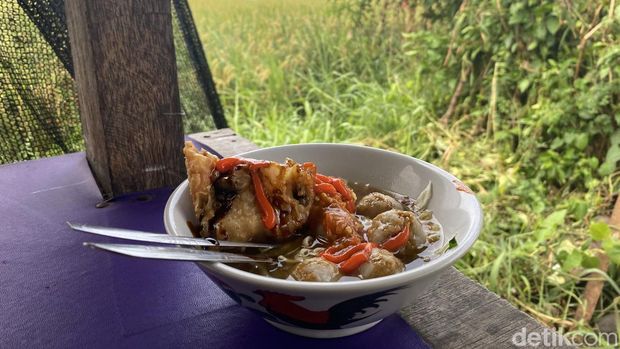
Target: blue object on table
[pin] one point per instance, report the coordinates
(56, 293)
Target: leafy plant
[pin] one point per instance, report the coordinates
(600, 231)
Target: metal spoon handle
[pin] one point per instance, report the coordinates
(175, 253)
(137, 235)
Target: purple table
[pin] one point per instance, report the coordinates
(56, 293)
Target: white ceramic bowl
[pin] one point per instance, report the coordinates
(339, 309)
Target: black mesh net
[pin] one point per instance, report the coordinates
(196, 85)
(38, 103)
(38, 110)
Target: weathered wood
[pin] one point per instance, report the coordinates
(125, 71)
(227, 141)
(460, 313)
(457, 312)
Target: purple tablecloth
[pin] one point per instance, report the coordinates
(56, 293)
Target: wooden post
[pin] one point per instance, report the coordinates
(125, 71)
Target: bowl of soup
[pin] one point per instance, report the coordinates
(358, 232)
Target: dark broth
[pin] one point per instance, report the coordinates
(284, 253)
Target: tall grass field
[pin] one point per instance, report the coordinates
(518, 99)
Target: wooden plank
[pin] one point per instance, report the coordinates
(457, 312)
(460, 313)
(125, 71)
(228, 142)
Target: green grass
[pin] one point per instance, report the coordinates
(282, 81)
(307, 71)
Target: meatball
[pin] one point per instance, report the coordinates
(381, 263)
(375, 203)
(316, 269)
(389, 223)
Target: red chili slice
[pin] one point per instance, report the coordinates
(397, 241)
(357, 259)
(323, 178)
(343, 254)
(227, 164)
(269, 214)
(343, 243)
(309, 166)
(325, 188)
(342, 188)
(339, 186)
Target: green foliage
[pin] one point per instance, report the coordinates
(611, 245)
(532, 130)
(549, 226)
(573, 258)
(600, 231)
(540, 81)
(613, 155)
